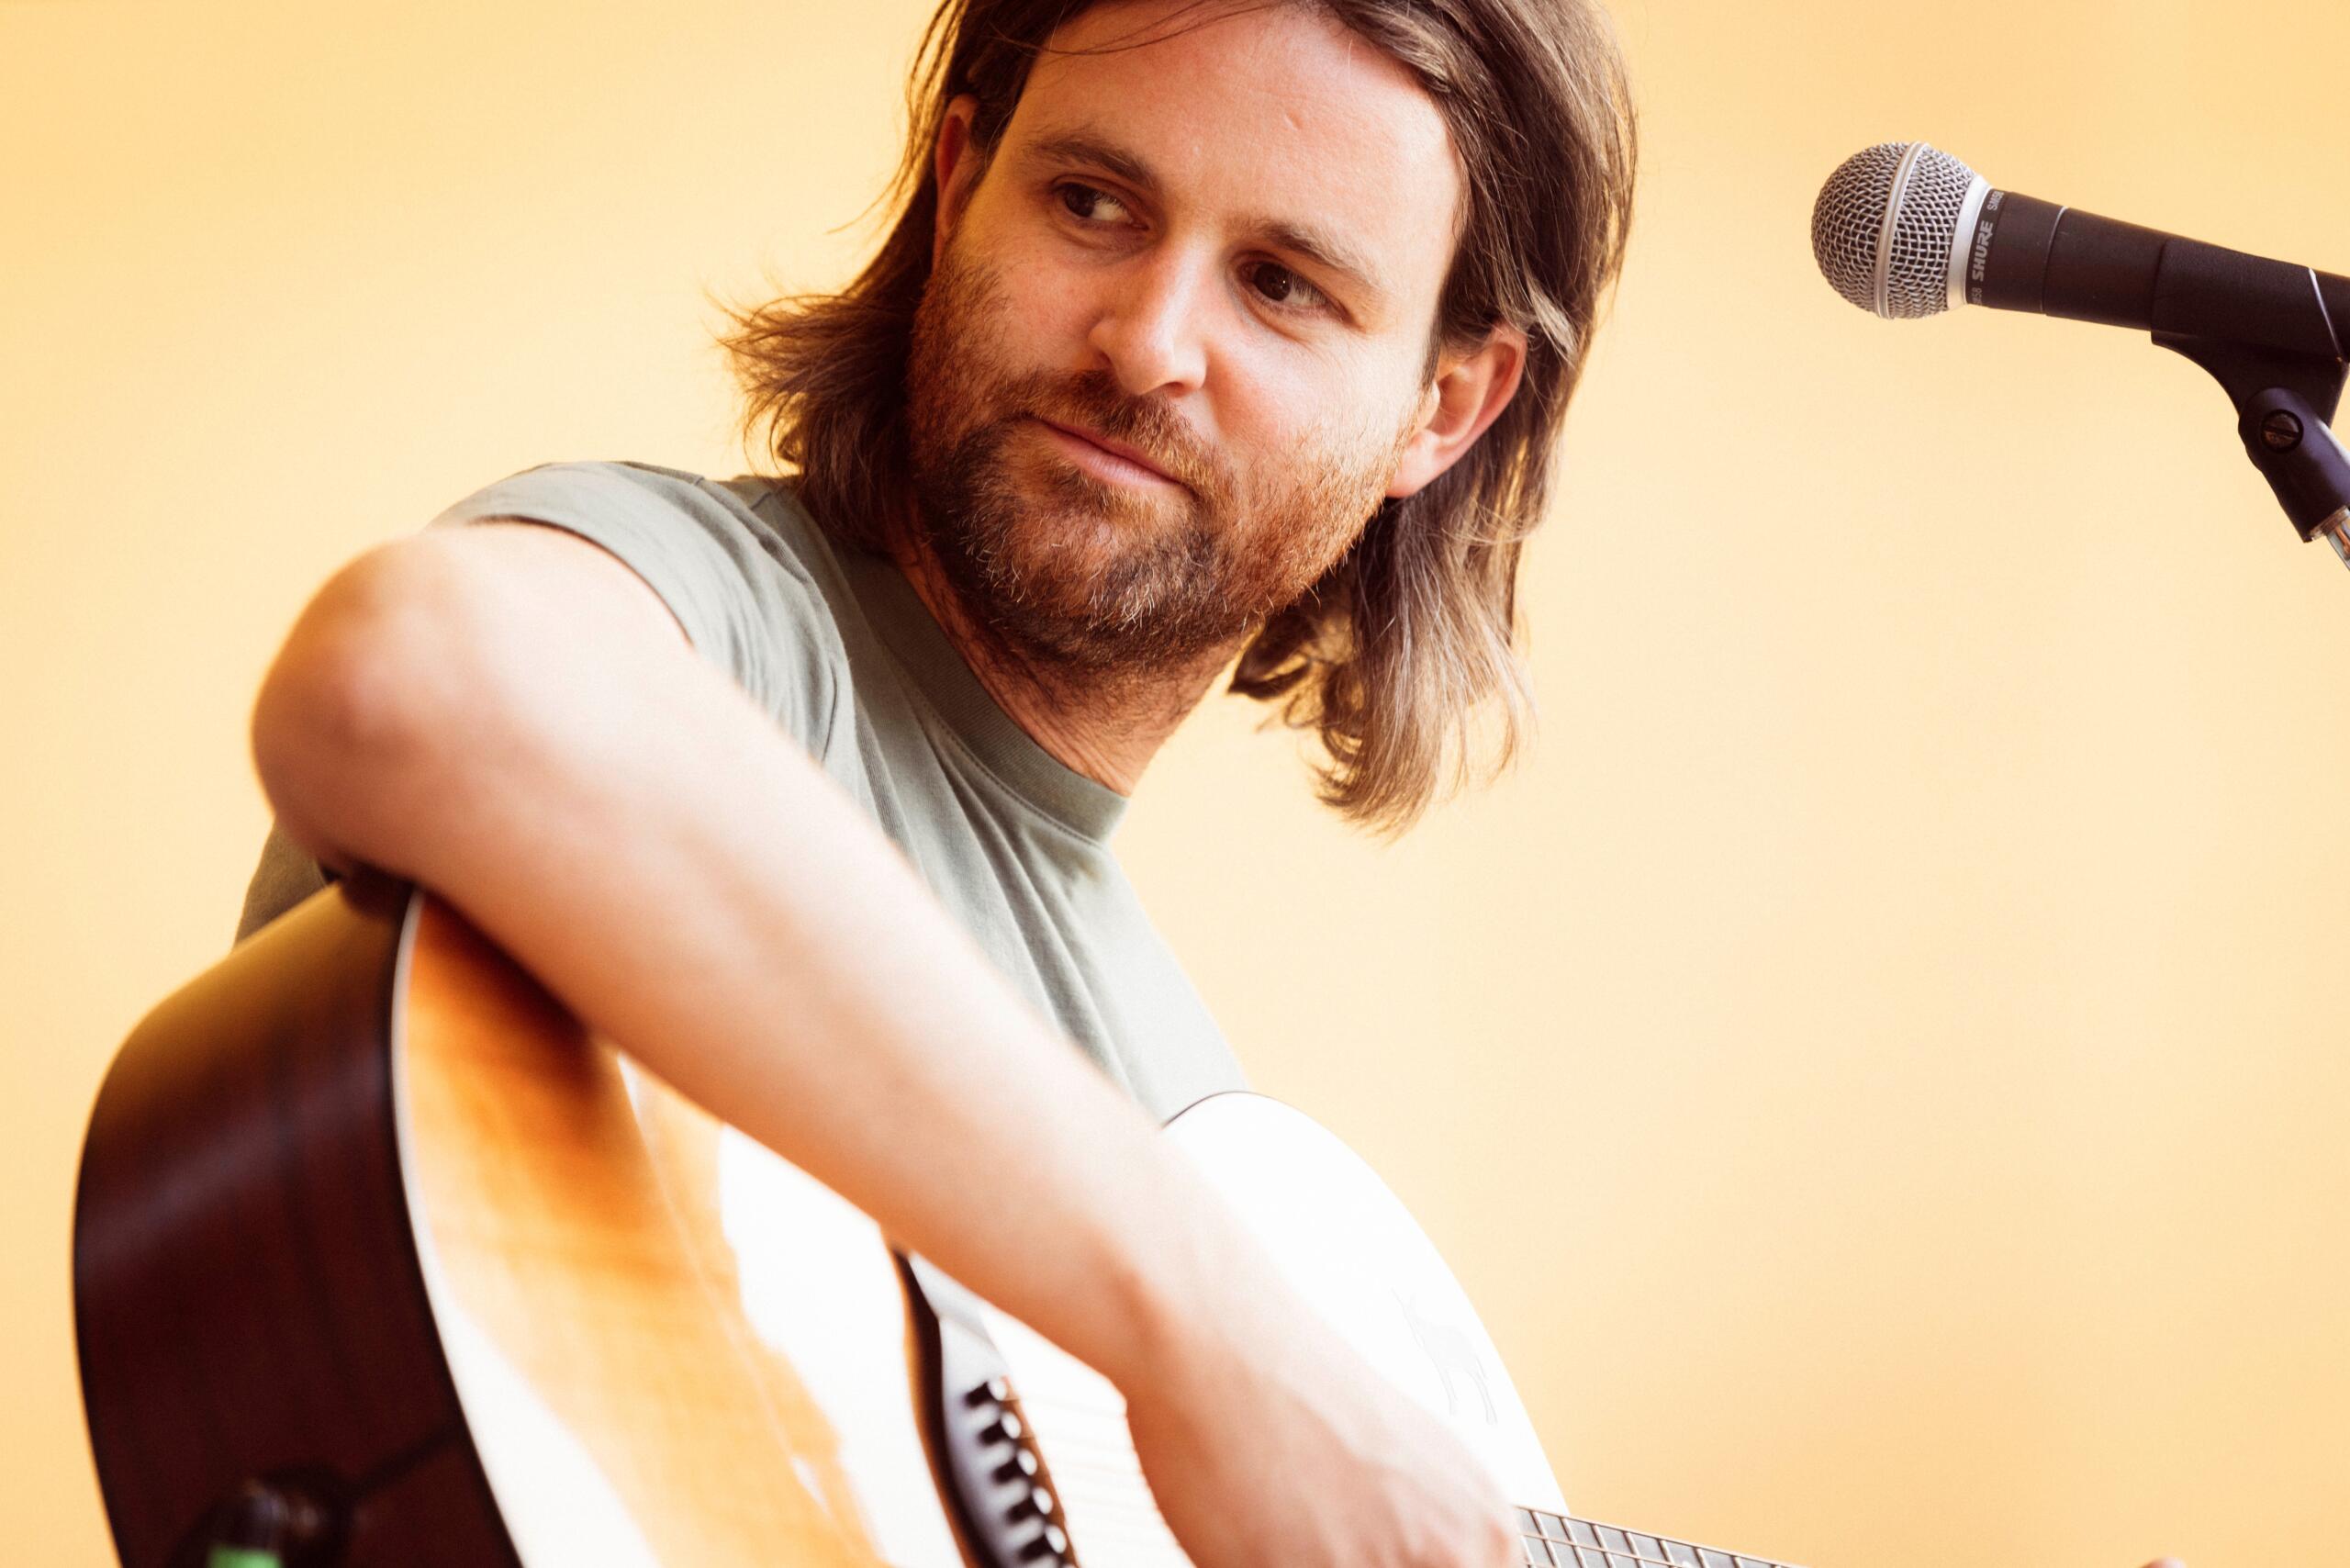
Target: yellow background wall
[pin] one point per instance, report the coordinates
(1879, 1065)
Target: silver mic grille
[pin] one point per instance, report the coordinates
(1885, 227)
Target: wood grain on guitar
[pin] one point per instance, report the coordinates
(380, 1259)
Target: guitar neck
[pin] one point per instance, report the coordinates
(1553, 1540)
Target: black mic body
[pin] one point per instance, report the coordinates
(1903, 229)
(2024, 253)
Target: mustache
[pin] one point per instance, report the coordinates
(1092, 401)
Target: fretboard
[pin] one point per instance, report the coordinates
(1549, 1539)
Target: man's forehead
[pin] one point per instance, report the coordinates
(1292, 126)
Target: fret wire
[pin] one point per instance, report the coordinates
(1697, 1556)
(1105, 1454)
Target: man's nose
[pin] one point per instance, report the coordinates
(1151, 330)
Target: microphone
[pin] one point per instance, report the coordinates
(1904, 229)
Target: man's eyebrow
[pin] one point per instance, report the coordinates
(1317, 245)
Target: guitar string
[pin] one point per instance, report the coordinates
(1094, 1481)
(1087, 1441)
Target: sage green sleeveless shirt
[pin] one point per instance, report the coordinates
(839, 649)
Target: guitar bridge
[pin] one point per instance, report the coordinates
(986, 1462)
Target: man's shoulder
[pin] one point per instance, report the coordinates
(763, 505)
(755, 582)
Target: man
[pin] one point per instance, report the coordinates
(1210, 331)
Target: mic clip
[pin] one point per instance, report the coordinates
(2285, 404)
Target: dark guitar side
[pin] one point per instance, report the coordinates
(246, 1287)
(368, 1221)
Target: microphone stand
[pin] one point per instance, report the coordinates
(2285, 404)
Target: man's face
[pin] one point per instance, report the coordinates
(1220, 250)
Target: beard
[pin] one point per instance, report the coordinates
(1064, 568)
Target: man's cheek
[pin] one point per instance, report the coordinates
(1044, 312)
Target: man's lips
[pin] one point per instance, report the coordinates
(1114, 448)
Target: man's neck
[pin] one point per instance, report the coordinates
(1107, 729)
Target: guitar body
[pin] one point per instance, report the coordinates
(380, 1259)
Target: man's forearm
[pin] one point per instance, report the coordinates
(624, 822)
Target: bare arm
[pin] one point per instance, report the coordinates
(508, 715)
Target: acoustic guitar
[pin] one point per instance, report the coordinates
(381, 1259)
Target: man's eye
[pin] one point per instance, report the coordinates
(1076, 199)
(1282, 286)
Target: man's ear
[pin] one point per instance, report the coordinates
(955, 162)
(1469, 392)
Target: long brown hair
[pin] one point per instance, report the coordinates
(1392, 653)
